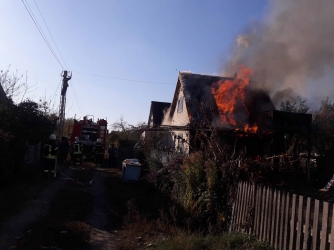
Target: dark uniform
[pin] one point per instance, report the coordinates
(112, 151)
(50, 156)
(64, 147)
(98, 153)
(77, 149)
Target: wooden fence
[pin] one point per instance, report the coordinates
(283, 219)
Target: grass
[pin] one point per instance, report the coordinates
(144, 218)
(141, 196)
(185, 241)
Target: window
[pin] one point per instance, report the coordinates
(180, 105)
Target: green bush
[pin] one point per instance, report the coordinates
(20, 124)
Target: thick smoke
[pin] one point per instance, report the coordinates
(292, 52)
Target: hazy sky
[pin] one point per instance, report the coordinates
(144, 41)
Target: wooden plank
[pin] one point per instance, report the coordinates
(307, 224)
(237, 207)
(257, 211)
(272, 229)
(263, 201)
(315, 224)
(252, 202)
(243, 205)
(292, 222)
(286, 221)
(233, 213)
(265, 216)
(239, 198)
(278, 217)
(299, 221)
(332, 233)
(323, 233)
(281, 232)
(248, 207)
(269, 215)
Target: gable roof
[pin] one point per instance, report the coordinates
(157, 112)
(201, 104)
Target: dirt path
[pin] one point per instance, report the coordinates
(101, 236)
(12, 229)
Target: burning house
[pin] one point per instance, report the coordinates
(232, 106)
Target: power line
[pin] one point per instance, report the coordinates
(123, 79)
(75, 97)
(50, 33)
(40, 31)
(56, 91)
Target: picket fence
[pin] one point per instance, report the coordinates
(285, 220)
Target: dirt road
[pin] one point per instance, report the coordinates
(100, 233)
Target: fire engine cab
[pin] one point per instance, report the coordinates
(88, 132)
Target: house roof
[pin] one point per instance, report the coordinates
(157, 112)
(201, 104)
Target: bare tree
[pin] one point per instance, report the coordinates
(13, 86)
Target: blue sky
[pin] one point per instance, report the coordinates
(144, 41)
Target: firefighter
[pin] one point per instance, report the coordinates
(112, 151)
(77, 149)
(98, 152)
(50, 156)
(64, 147)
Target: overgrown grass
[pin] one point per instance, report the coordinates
(144, 218)
(145, 197)
(162, 234)
(185, 241)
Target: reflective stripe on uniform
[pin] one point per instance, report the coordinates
(50, 156)
(77, 149)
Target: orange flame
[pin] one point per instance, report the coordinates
(249, 129)
(229, 93)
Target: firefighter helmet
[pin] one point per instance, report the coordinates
(52, 137)
(76, 139)
(98, 141)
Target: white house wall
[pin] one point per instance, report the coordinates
(180, 119)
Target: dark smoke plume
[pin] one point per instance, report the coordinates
(292, 50)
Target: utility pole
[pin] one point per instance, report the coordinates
(66, 77)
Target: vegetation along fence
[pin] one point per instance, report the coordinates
(285, 220)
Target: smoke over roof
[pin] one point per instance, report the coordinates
(292, 53)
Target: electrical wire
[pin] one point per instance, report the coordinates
(123, 79)
(50, 33)
(75, 97)
(26, 5)
(54, 95)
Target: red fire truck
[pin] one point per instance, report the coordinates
(88, 132)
